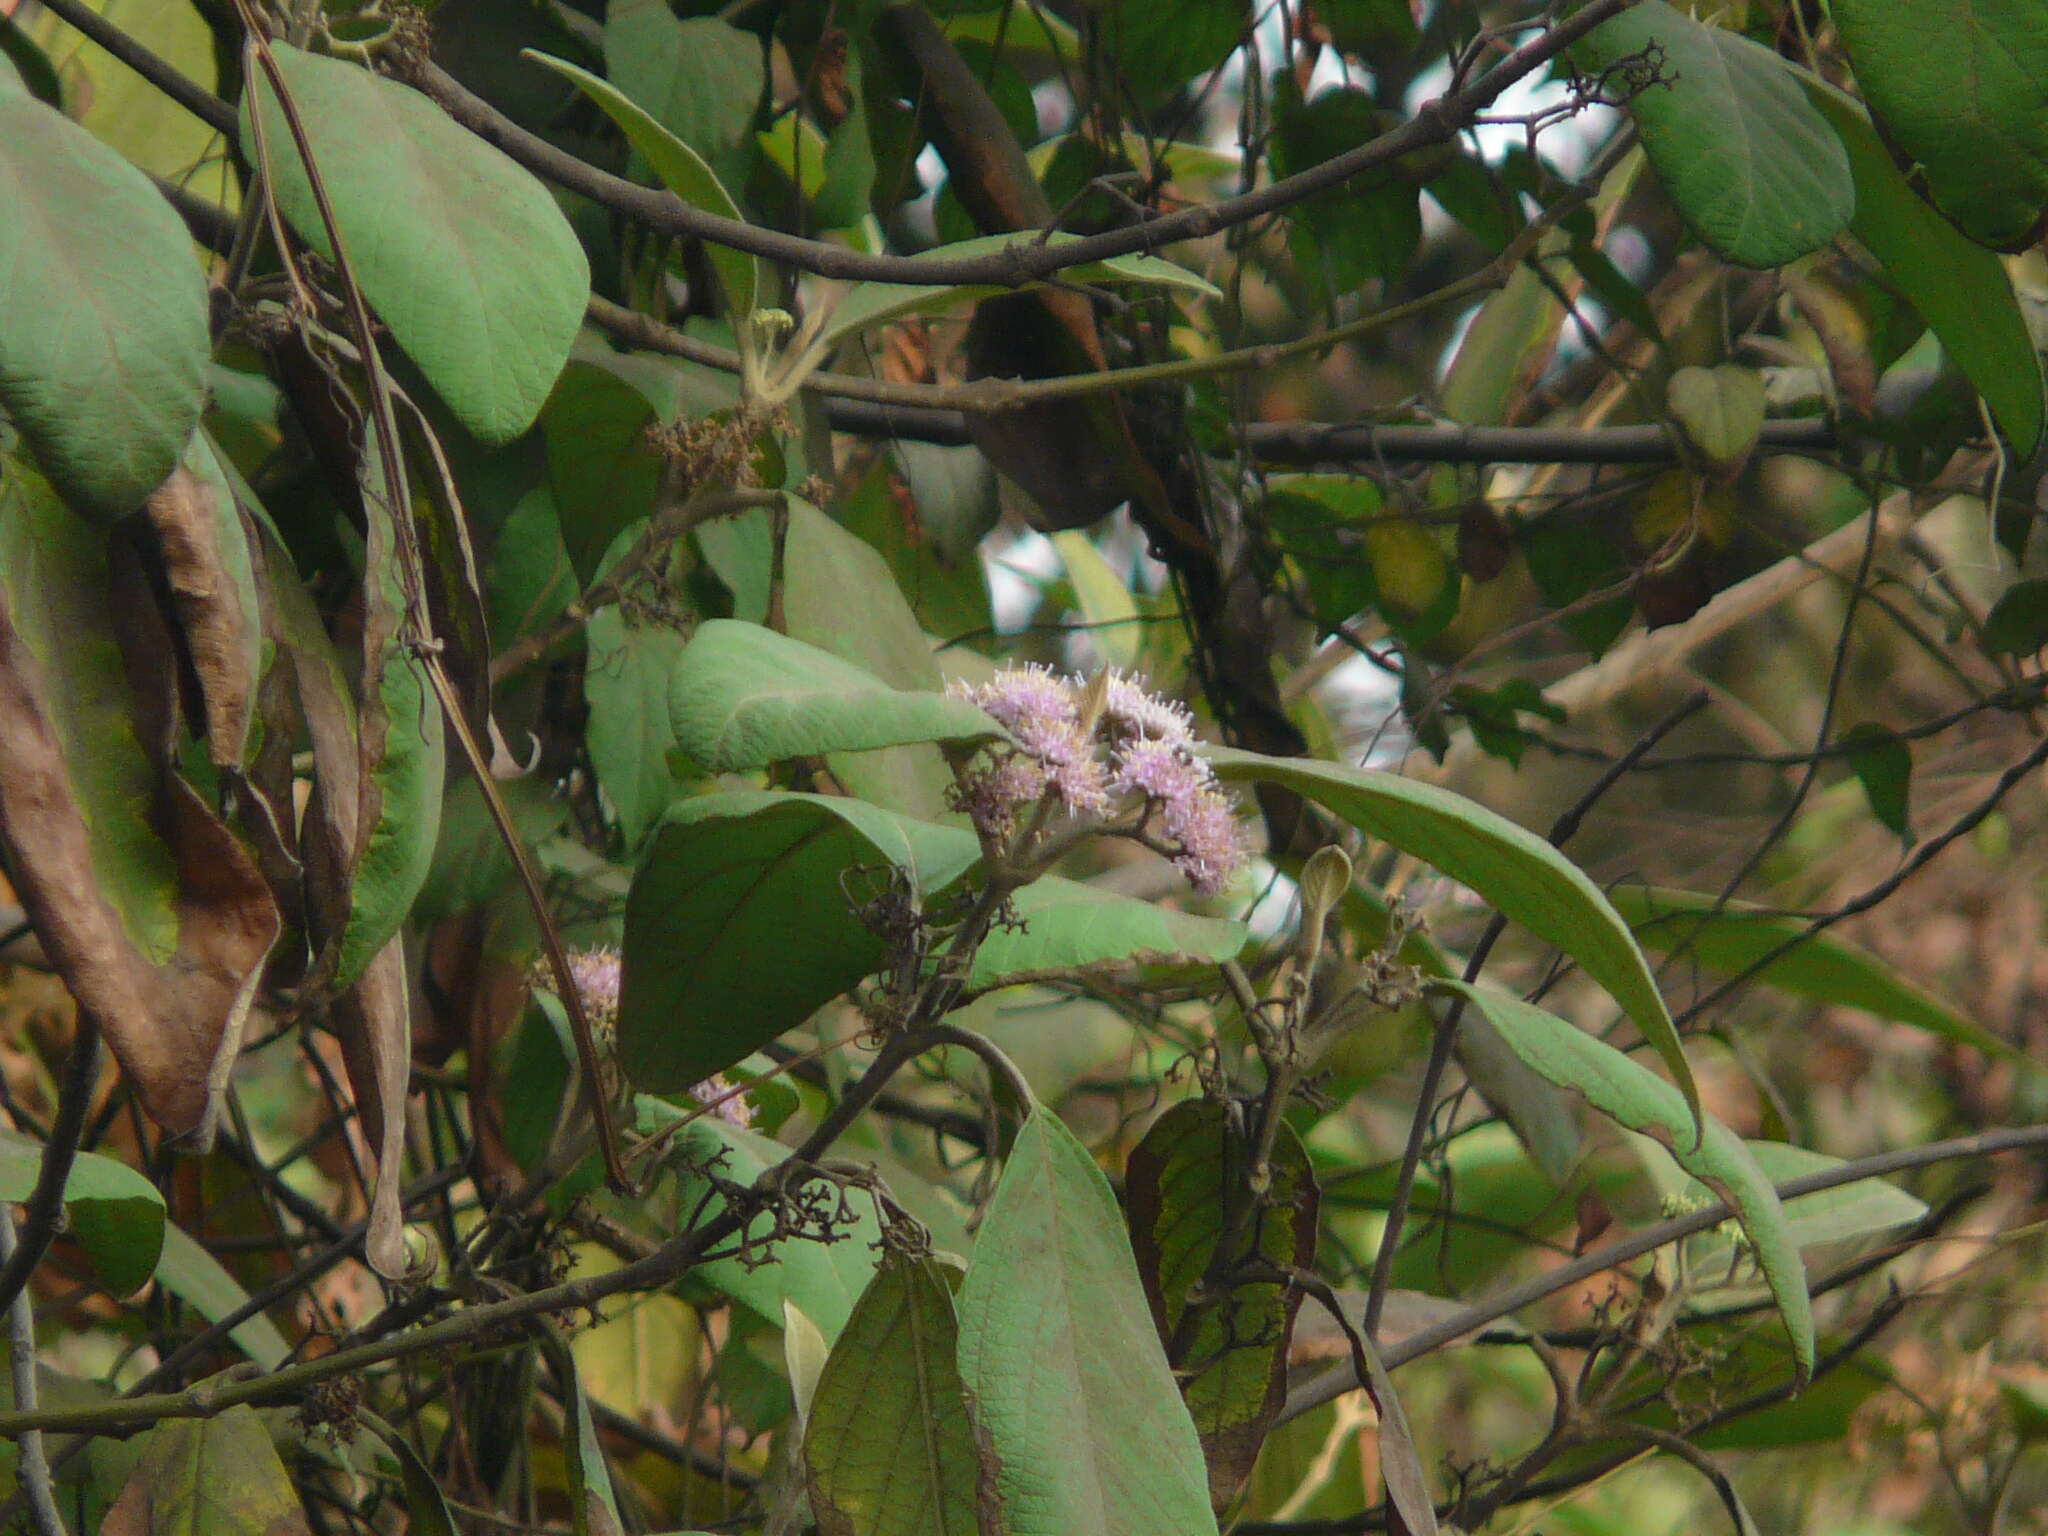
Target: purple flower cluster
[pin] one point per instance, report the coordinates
(1136, 746)
(596, 974)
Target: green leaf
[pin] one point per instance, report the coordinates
(1183, 1185)
(1115, 627)
(466, 257)
(869, 304)
(196, 1278)
(1962, 87)
(1720, 410)
(116, 1214)
(406, 780)
(219, 1475)
(745, 697)
(1824, 968)
(594, 1507)
(735, 877)
(1827, 1215)
(103, 330)
(700, 79)
(682, 170)
(602, 470)
(890, 1447)
(1629, 1093)
(1750, 164)
(425, 1504)
(823, 1280)
(1158, 47)
(1960, 289)
(2018, 622)
(1062, 1362)
(1516, 872)
(627, 672)
(1066, 926)
(1884, 762)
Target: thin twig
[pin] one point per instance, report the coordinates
(46, 1201)
(21, 1360)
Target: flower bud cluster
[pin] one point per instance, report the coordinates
(1097, 752)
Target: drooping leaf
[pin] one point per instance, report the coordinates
(628, 669)
(1062, 1362)
(1750, 164)
(1825, 1216)
(869, 304)
(744, 697)
(1063, 926)
(196, 1278)
(1517, 873)
(466, 257)
(741, 921)
(1824, 968)
(1959, 288)
(219, 1475)
(425, 1504)
(116, 1214)
(1884, 763)
(372, 1018)
(1629, 1093)
(103, 333)
(890, 1446)
(681, 169)
(824, 1280)
(2017, 624)
(1720, 410)
(151, 909)
(1186, 1192)
(1962, 87)
(701, 79)
(594, 1507)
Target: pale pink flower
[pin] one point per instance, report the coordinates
(1198, 824)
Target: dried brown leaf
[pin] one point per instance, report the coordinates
(188, 516)
(373, 1020)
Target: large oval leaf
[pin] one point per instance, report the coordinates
(116, 1214)
(1750, 164)
(103, 338)
(1637, 1098)
(744, 696)
(1063, 926)
(741, 923)
(1520, 876)
(467, 258)
(889, 1445)
(1062, 1361)
(1962, 87)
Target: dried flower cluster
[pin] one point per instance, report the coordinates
(596, 974)
(1136, 747)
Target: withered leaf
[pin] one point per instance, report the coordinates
(373, 1020)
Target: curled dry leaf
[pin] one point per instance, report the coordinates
(374, 1023)
(204, 557)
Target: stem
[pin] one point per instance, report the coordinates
(21, 1360)
(46, 1200)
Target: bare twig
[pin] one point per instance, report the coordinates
(21, 1360)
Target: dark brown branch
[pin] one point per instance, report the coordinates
(1026, 261)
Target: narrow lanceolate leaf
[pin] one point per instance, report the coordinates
(116, 1214)
(1960, 289)
(196, 1278)
(1062, 1363)
(373, 1020)
(1191, 1218)
(890, 1447)
(1730, 937)
(1517, 873)
(1962, 87)
(466, 257)
(1063, 926)
(1750, 164)
(154, 913)
(869, 304)
(594, 1507)
(681, 169)
(732, 878)
(103, 338)
(219, 1475)
(744, 697)
(1632, 1095)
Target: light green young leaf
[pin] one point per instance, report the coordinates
(1750, 164)
(1061, 1360)
(196, 1278)
(731, 879)
(1962, 87)
(627, 671)
(1067, 926)
(744, 697)
(890, 1447)
(103, 332)
(869, 304)
(116, 1214)
(1517, 873)
(1824, 968)
(1630, 1094)
(700, 78)
(1960, 289)
(1114, 626)
(467, 258)
(681, 169)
